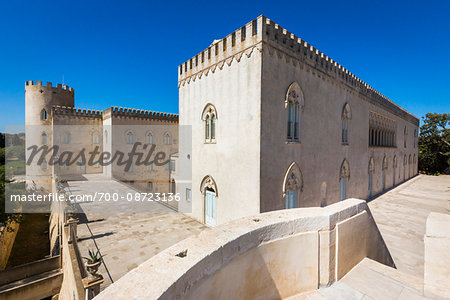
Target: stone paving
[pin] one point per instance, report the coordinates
(401, 216)
(126, 234)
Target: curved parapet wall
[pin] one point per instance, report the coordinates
(271, 255)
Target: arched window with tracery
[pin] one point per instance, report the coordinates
(149, 138)
(292, 186)
(294, 103)
(371, 170)
(167, 139)
(44, 138)
(346, 115)
(394, 168)
(130, 137)
(405, 162)
(383, 172)
(66, 138)
(44, 115)
(415, 138)
(344, 176)
(209, 117)
(410, 166)
(405, 136)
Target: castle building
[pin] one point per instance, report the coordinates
(52, 119)
(278, 124)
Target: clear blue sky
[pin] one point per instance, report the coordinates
(126, 53)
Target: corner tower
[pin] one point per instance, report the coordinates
(39, 100)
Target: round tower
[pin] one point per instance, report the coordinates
(39, 100)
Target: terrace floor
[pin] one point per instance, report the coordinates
(127, 234)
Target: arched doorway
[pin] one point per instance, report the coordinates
(344, 175)
(383, 174)
(292, 186)
(370, 184)
(208, 188)
(394, 167)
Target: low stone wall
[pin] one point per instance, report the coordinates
(437, 256)
(72, 286)
(30, 269)
(271, 255)
(6, 243)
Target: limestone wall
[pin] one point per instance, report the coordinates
(437, 256)
(271, 255)
(72, 286)
(232, 160)
(7, 239)
(246, 76)
(320, 152)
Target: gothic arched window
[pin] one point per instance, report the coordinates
(209, 117)
(394, 167)
(167, 139)
(294, 103)
(344, 175)
(383, 172)
(66, 138)
(371, 170)
(130, 137)
(346, 115)
(405, 136)
(44, 138)
(43, 115)
(208, 188)
(149, 138)
(292, 186)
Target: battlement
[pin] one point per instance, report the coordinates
(142, 114)
(241, 39)
(297, 51)
(76, 112)
(59, 86)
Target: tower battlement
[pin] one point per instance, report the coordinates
(59, 86)
(273, 37)
(142, 114)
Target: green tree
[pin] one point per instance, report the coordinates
(434, 143)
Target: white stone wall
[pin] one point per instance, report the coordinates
(233, 160)
(246, 76)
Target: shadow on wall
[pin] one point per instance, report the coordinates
(272, 255)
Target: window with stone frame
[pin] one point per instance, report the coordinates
(130, 137)
(344, 176)
(292, 186)
(294, 103)
(381, 130)
(346, 116)
(209, 118)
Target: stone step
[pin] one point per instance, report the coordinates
(50, 275)
(370, 280)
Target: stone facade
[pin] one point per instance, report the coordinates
(52, 119)
(343, 138)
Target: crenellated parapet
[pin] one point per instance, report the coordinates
(59, 87)
(124, 112)
(76, 112)
(223, 51)
(265, 35)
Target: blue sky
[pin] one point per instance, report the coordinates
(126, 53)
